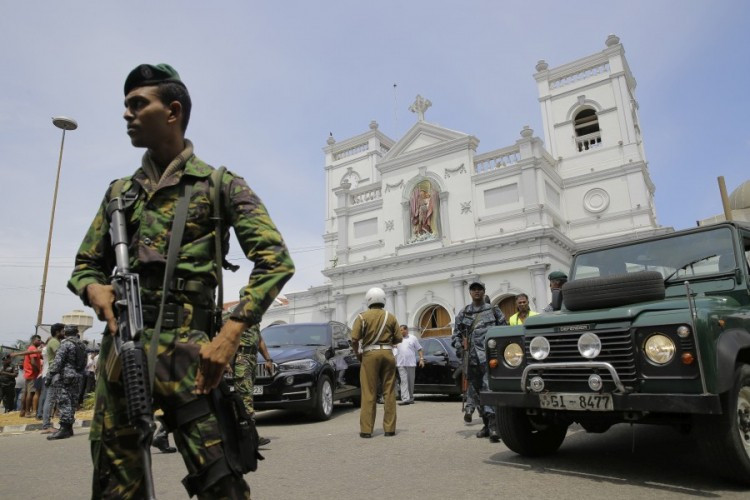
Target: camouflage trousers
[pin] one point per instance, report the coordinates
(65, 394)
(117, 457)
(472, 399)
(478, 382)
(244, 378)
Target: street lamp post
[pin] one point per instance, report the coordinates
(65, 124)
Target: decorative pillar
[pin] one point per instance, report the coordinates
(400, 304)
(459, 294)
(341, 314)
(342, 213)
(539, 285)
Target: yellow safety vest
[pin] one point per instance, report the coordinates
(514, 320)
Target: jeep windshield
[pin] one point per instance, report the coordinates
(297, 335)
(686, 256)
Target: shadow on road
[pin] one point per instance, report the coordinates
(271, 418)
(653, 458)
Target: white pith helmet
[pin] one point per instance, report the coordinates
(375, 295)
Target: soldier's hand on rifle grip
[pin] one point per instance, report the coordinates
(216, 355)
(101, 298)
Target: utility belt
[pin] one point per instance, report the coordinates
(174, 317)
(246, 349)
(155, 281)
(375, 347)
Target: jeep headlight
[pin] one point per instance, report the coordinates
(513, 354)
(659, 348)
(301, 365)
(539, 348)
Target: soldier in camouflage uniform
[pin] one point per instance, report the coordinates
(473, 321)
(65, 375)
(189, 365)
(245, 365)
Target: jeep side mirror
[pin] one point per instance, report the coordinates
(557, 299)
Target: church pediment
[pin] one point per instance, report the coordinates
(420, 137)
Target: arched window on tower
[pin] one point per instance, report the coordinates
(586, 125)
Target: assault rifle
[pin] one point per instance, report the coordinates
(128, 346)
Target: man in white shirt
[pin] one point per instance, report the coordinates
(406, 362)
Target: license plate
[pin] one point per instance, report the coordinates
(576, 402)
(257, 390)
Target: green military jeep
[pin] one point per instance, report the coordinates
(655, 331)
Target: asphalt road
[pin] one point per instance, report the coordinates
(433, 455)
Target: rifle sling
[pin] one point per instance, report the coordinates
(216, 178)
(175, 242)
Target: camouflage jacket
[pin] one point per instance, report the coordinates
(68, 359)
(487, 316)
(149, 222)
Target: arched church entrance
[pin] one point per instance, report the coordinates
(435, 322)
(507, 304)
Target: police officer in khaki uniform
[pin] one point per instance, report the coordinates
(374, 334)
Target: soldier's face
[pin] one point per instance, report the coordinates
(148, 119)
(476, 293)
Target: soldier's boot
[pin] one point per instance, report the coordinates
(467, 415)
(492, 425)
(161, 441)
(65, 431)
(263, 441)
(484, 431)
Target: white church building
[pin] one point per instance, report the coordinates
(424, 215)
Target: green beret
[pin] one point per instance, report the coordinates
(149, 74)
(557, 275)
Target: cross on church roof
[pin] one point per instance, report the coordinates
(420, 106)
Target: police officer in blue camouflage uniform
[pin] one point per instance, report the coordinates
(66, 375)
(472, 323)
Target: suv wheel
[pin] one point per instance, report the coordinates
(527, 437)
(725, 439)
(323, 399)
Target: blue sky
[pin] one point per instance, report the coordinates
(270, 80)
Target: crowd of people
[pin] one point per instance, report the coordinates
(53, 378)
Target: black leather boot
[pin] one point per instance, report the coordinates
(484, 431)
(492, 425)
(65, 431)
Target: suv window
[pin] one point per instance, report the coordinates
(340, 332)
(701, 253)
(431, 346)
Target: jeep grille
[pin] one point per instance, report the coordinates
(617, 349)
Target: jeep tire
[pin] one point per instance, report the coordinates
(323, 399)
(613, 291)
(725, 439)
(527, 437)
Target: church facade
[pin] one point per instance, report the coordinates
(424, 215)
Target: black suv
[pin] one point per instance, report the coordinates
(314, 365)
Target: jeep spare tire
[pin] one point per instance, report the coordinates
(613, 291)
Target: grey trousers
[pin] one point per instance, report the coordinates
(407, 382)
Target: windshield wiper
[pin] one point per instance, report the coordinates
(692, 262)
